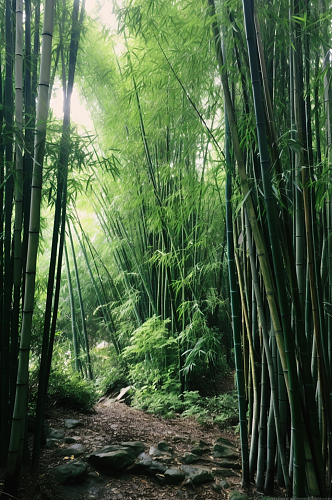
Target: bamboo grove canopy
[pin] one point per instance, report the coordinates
(219, 114)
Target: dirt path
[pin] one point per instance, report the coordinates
(113, 424)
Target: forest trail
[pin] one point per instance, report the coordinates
(114, 423)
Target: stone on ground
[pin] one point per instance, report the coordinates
(71, 439)
(112, 461)
(163, 446)
(227, 464)
(70, 473)
(147, 467)
(189, 458)
(136, 446)
(51, 444)
(56, 434)
(72, 424)
(76, 450)
(171, 476)
(225, 442)
(221, 451)
(197, 475)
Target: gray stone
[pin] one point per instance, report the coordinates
(163, 446)
(71, 439)
(137, 447)
(225, 454)
(236, 495)
(189, 458)
(161, 455)
(70, 473)
(147, 467)
(76, 450)
(51, 444)
(229, 464)
(197, 475)
(221, 451)
(174, 476)
(171, 476)
(224, 473)
(225, 442)
(199, 451)
(114, 461)
(56, 434)
(72, 424)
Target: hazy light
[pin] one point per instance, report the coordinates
(100, 10)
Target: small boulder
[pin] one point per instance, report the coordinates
(73, 472)
(147, 467)
(171, 476)
(71, 439)
(223, 473)
(156, 453)
(112, 462)
(137, 447)
(72, 424)
(225, 442)
(227, 464)
(189, 458)
(76, 450)
(174, 476)
(51, 444)
(221, 451)
(197, 475)
(199, 450)
(56, 434)
(163, 446)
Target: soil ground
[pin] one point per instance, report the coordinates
(113, 424)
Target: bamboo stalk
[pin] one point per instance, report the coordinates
(15, 446)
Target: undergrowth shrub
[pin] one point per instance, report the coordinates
(71, 391)
(221, 410)
(66, 387)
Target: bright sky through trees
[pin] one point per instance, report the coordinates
(103, 11)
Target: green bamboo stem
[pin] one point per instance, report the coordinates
(235, 305)
(7, 290)
(253, 362)
(79, 291)
(262, 425)
(260, 246)
(275, 387)
(295, 399)
(18, 195)
(60, 207)
(102, 304)
(76, 344)
(15, 446)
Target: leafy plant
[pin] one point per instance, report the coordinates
(221, 410)
(70, 391)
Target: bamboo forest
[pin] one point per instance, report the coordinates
(179, 237)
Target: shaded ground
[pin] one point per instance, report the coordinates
(113, 424)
